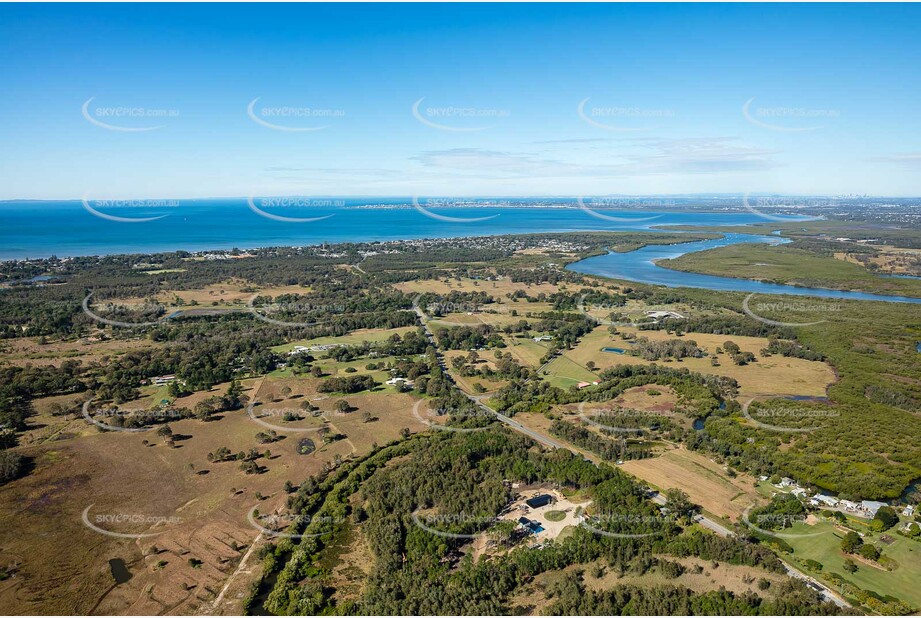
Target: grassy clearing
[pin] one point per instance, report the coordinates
(735, 578)
(775, 375)
(661, 399)
(235, 292)
(497, 289)
(825, 548)
(565, 372)
(162, 271)
(526, 351)
(354, 338)
(24, 351)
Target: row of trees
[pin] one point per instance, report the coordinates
(609, 449)
(668, 349)
(347, 384)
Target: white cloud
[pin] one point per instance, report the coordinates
(637, 157)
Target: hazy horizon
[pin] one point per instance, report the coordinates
(408, 198)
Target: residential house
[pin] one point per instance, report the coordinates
(665, 315)
(826, 500)
(870, 507)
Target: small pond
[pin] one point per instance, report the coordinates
(306, 446)
(120, 572)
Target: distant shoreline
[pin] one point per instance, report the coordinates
(71, 229)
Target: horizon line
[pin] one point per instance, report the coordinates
(480, 196)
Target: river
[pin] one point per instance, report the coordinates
(640, 266)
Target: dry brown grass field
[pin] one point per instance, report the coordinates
(643, 398)
(24, 351)
(206, 532)
(705, 481)
(735, 578)
(637, 398)
(774, 375)
(891, 260)
(231, 294)
(497, 289)
(466, 383)
(355, 337)
(46, 427)
(234, 291)
(525, 350)
(498, 319)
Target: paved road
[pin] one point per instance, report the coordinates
(534, 435)
(531, 433)
(658, 498)
(703, 520)
(828, 595)
(713, 525)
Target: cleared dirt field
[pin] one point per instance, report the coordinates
(705, 482)
(774, 375)
(566, 513)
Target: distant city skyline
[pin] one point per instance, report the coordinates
(518, 101)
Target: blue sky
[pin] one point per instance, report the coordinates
(517, 100)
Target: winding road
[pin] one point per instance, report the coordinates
(658, 498)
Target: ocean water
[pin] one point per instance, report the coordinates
(43, 229)
(77, 228)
